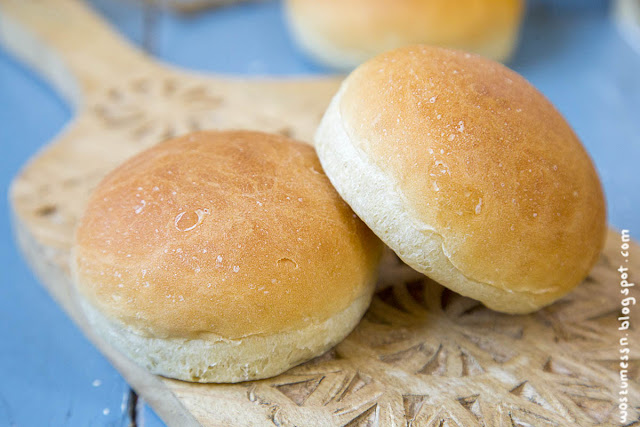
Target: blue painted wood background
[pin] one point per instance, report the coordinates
(51, 375)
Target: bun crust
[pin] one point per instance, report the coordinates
(468, 173)
(223, 236)
(345, 33)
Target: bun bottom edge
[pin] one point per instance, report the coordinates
(223, 360)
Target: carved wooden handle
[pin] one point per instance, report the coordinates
(69, 44)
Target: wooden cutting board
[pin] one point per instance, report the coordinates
(422, 356)
(192, 5)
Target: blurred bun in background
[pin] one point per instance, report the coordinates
(344, 33)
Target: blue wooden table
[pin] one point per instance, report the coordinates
(51, 375)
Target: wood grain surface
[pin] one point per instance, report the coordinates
(193, 5)
(421, 356)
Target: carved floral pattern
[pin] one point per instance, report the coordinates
(425, 356)
(152, 110)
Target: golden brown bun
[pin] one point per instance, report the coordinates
(223, 246)
(345, 33)
(468, 173)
